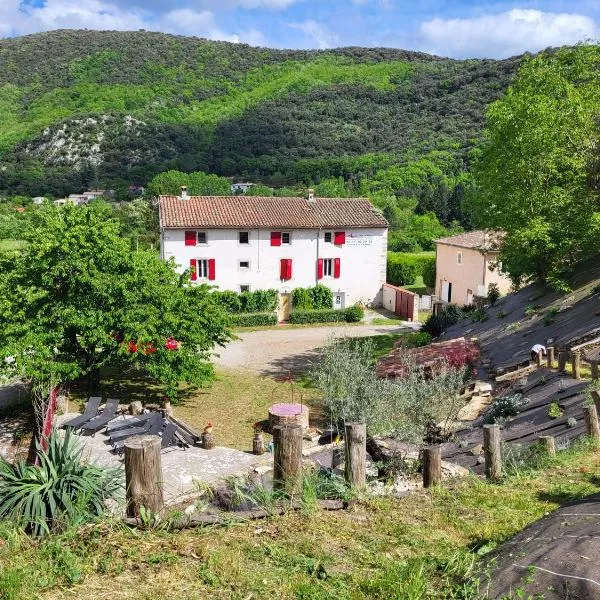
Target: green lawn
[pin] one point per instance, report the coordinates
(421, 546)
(7, 245)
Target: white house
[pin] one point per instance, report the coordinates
(240, 187)
(249, 243)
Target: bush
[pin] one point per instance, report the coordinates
(254, 319)
(258, 301)
(301, 299)
(504, 408)
(447, 316)
(62, 491)
(405, 268)
(321, 297)
(317, 316)
(354, 314)
(493, 293)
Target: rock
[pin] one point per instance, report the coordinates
(480, 460)
(477, 450)
(483, 387)
(136, 408)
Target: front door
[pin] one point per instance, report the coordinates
(447, 291)
(285, 307)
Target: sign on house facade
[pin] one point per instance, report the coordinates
(249, 243)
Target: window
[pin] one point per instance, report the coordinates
(328, 237)
(244, 237)
(244, 288)
(202, 268)
(202, 237)
(328, 267)
(286, 238)
(459, 258)
(244, 264)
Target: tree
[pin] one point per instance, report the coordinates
(198, 184)
(535, 173)
(259, 189)
(77, 299)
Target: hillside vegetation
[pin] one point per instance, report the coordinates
(79, 108)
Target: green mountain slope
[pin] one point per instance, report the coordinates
(79, 108)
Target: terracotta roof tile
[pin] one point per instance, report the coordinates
(481, 240)
(224, 212)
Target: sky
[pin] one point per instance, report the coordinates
(456, 28)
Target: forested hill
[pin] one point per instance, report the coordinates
(79, 108)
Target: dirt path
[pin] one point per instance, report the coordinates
(279, 351)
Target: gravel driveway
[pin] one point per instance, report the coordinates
(276, 352)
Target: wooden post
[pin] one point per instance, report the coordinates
(432, 465)
(540, 360)
(356, 455)
(591, 421)
(596, 399)
(287, 468)
(258, 444)
(209, 441)
(548, 444)
(491, 449)
(143, 474)
(550, 357)
(595, 370)
(562, 361)
(576, 365)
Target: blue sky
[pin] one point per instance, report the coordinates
(457, 28)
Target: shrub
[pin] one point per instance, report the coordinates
(254, 319)
(301, 299)
(493, 294)
(321, 297)
(354, 314)
(504, 408)
(317, 316)
(61, 491)
(404, 268)
(265, 300)
(248, 302)
(446, 317)
(229, 300)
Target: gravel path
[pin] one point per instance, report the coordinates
(276, 352)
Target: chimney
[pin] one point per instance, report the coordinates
(184, 194)
(311, 196)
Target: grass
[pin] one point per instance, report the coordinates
(421, 546)
(9, 245)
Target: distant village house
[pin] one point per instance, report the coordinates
(466, 264)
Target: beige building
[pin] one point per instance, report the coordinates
(466, 264)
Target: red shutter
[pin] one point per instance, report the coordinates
(211, 269)
(193, 269)
(275, 238)
(336, 267)
(320, 268)
(190, 238)
(340, 238)
(285, 270)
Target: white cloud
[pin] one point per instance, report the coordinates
(317, 32)
(504, 34)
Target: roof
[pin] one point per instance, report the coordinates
(232, 212)
(478, 240)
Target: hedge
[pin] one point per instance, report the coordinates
(253, 319)
(312, 298)
(404, 268)
(259, 301)
(353, 314)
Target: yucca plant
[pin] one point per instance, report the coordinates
(62, 490)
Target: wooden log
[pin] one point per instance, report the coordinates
(258, 444)
(576, 365)
(591, 421)
(355, 470)
(492, 451)
(548, 444)
(550, 357)
(595, 370)
(539, 360)
(432, 466)
(209, 441)
(562, 361)
(596, 399)
(287, 467)
(143, 474)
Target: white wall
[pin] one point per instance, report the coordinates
(363, 260)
